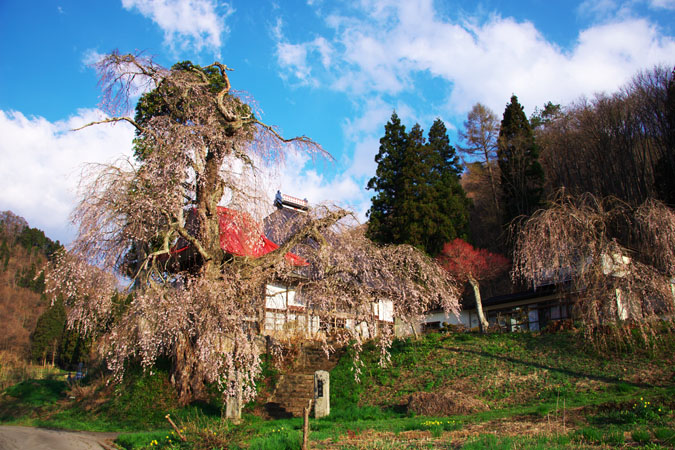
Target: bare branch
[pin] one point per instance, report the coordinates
(111, 120)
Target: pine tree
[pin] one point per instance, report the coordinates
(74, 347)
(419, 200)
(522, 177)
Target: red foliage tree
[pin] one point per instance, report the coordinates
(472, 265)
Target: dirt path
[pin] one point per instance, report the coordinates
(28, 438)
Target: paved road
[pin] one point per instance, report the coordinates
(28, 438)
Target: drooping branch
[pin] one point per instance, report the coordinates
(123, 76)
(602, 250)
(200, 147)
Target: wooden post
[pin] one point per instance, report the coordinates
(182, 438)
(305, 425)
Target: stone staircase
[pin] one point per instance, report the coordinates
(295, 386)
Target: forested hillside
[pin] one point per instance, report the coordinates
(23, 253)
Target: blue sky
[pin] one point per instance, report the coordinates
(331, 70)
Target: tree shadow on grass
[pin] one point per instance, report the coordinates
(568, 372)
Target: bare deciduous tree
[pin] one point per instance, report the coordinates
(617, 144)
(616, 257)
(481, 131)
(200, 148)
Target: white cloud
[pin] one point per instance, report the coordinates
(294, 57)
(662, 4)
(604, 9)
(378, 51)
(382, 50)
(91, 56)
(42, 161)
(364, 133)
(187, 24)
(296, 177)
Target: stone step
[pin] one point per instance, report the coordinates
(292, 394)
(296, 387)
(311, 359)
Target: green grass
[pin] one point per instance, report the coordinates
(37, 393)
(504, 370)
(140, 402)
(621, 397)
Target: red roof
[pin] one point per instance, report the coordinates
(242, 236)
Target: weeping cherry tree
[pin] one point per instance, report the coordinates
(200, 147)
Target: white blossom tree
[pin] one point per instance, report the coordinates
(200, 146)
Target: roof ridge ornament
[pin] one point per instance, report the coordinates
(282, 201)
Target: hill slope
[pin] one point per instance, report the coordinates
(23, 253)
(445, 390)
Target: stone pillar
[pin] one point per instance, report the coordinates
(233, 404)
(321, 393)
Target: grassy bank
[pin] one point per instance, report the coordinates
(495, 391)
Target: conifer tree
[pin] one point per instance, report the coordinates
(387, 182)
(46, 339)
(74, 347)
(416, 197)
(452, 215)
(418, 200)
(522, 177)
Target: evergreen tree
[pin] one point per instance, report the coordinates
(74, 347)
(418, 200)
(416, 195)
(522, 177)
(46, 339)
(452, 216)
(34, 240)
(542, 117)
(387, 183)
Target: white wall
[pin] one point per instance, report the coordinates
(275, 297)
